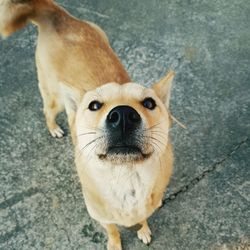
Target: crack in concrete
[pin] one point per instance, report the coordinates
(17, 228)
(8, 203)
(83, 9)
(67, 234)
(198, 178)
(17, 197)
(54, 222)
(8, 235)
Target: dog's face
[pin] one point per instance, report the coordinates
(123, 123)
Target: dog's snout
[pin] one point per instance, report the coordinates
(123, 118)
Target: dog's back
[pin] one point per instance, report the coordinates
(78, 51)
(72, 56)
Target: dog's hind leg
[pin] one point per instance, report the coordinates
(52, 103)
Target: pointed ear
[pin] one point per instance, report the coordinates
(163, 88)
(72, 97)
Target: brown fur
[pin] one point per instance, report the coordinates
(88, 61)
(74, 57)
(105, 182)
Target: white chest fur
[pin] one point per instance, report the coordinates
(126, 189)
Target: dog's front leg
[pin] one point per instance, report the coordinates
(114, 239)
(144, 234)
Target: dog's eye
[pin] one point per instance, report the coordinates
(149, 103)
(95, 105)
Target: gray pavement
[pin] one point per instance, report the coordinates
(207, 205)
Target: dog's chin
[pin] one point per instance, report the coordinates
(124, 154)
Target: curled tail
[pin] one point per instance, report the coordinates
(15, 14)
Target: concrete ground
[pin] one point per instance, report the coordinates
(207, 205)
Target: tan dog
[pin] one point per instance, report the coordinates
(123, 153)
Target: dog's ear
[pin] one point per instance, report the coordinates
(72, 97)
(163, 88)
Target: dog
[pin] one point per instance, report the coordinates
(120, 129)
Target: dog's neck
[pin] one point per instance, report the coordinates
(126, 185)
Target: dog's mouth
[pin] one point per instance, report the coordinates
(124, 153)
(124, 149)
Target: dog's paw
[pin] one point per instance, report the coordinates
(144, 234)
(56, 132)
(114, 246)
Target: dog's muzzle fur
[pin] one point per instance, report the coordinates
(125, 137)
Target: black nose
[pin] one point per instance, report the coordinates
(123, 118)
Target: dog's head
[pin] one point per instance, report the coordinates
(125, 123)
